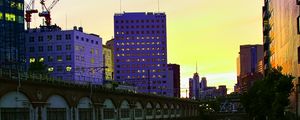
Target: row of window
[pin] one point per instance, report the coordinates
(11, 17)
(139, 43)
(143, 76)
(87, 40)
(141, 60)
(68, 68)
(140, 21)
(140, 54)
(139, 32)
(82, 59)
(139, 26)
(82, 49)
(59, 58)
(49, 38)
(50, 48)
(139, 49)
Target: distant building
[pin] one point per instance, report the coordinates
(140, 51)
(194, 86)
(203, 84)
(12, 40)
(175, 76)
(248, 66)
(108, 62)
(69, 54)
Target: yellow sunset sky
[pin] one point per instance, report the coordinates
(208, 32)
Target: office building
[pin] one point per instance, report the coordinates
(194, 87)
(248, 62)
(140, 51)
(108, 62)
(175, 77)
(70, 55)
(12, 43)
(281, 30)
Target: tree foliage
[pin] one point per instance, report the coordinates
(268, 98)
(37, 68)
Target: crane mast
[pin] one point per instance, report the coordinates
(29, 10)
(46, 11)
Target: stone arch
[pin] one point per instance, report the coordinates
(109, 110)
(57, 108)
(85, 109)
(165, 111)
(138, 110)
(158, 110)
(149, 110)
(47, 97)
(124, 110)
(15, 105)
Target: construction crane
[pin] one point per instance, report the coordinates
(46, 11)
(29, 10)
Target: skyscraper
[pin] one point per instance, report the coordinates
(247, 66)
(140, 51)
(194, 87)
(12, 47)
(281, 30)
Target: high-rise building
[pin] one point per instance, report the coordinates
(140, 51)
(69, 55)
(175, 77)
(108, 62)
(203, 84)
(194, 87)
(248, 66)
(12, 47)
(281, 30)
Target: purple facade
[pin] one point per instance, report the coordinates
(140, 50)
(70, 55)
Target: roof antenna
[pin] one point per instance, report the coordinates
(196, 67)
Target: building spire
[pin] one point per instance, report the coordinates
(196, 67)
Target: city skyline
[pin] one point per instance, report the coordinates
(218, 65)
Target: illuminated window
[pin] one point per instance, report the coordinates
(59, 58)
(50, 69)
(68, 68)
(41, 59)
(92, 60)
(31, 60)
(20, 19)
(10, 17)
(20, 6)
(68, 57)
(1, 14)
(12, 4)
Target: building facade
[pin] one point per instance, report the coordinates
(175, 69)
(70, 55)
(12, 47)
(248, 63)
(281, 30)
(140, 51)
(108, 62)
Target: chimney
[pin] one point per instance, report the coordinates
(75, 28)
(80, 29)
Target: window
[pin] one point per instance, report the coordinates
(41, 59)
(40, 38)
(58, 37)
(125, 113)
(49, 37)
(50, 69)
(31, 39)
(31, 60)
(149, 112)
(49, 48)
(10, 17)
(68, 47)
(59, 58)
(15, 114)
(68, 68)
(68, 36)
(68, 58)
(58, 47)
(50, 58)
(92, 60)
(138, 113)
(59, 68)
(31, 49)
(298, 55)
(41, 49)
(108, 113)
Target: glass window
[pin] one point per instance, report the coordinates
(31, 60)
(108, 113)
(31, 49)
(68, 68)
(125, 113)
(20, 19)
(58, 47)
(138, 112)
(56, 114)
(68, 57)
(14, 114)
(40, 38)
(31, 39)
(68, 47)
(49, 48)
(50, 69)
(19, 6)
(10, 17)
(85, 114)
(59, 58)
(50, 58)
(59, 68)
(68, 36)
(58, 37)
(1, 14)
(49, 37)
(41, 59)
(92, 60)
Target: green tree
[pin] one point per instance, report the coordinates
(268, 98)
(37, 68)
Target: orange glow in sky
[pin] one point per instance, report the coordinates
(208, 32)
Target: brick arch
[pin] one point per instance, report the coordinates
(68, 101)
(109, 98)
(24, 92)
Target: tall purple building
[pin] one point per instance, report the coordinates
(140, 50)
(69, 55)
